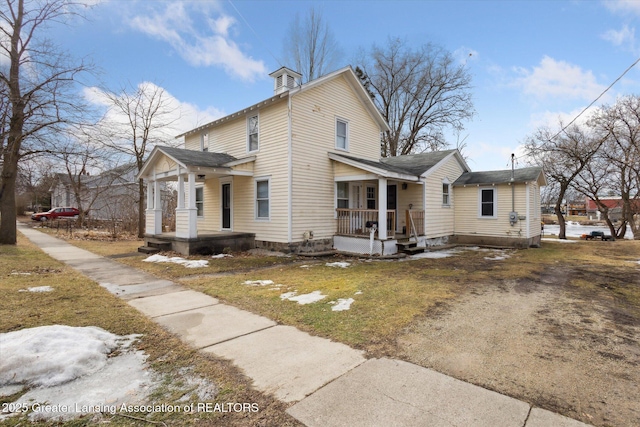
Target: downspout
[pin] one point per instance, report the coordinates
(290, 177)
(513, 187)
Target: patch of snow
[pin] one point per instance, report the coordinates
(434, 254)
(358, 293)
(305, 266)
(258, 282)
(37, 289)
(314, 296)
(498, 256)
(70, 367)
(178, 260)
(218, 256)
(338, 264)
(18, 273)
(546, 239)
(343, 304)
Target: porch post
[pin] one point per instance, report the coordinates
(157, 208)
(149, 213)
(382, 208)
(180, 191)
(193, 211)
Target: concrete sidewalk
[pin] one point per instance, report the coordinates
(330, 383)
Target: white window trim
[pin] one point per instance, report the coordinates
(335, 199)
(346, 141)
(201, 186)
(249, 117)
(204, 141)
(255, 197)
(448, 184)
(375, 195)
(495, 203)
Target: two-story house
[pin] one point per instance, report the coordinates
(301, 171)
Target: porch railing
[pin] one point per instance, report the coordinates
(418, 221)
(358, 222)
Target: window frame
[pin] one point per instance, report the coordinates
(257, 133)
(373, 199)
(257, 200)
(204, 141)
(494, 203)
(346, 135)
(446, 195)
(200, 210)
(339, 199)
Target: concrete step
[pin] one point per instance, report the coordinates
(406, 244)
(413, 250)
(160, 244)
(148, 250)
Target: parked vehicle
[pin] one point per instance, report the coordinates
(56, 213)
(597, 235)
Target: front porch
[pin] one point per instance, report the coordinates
(205, 243)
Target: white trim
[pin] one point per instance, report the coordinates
(495, 203)
(367, 186)
(223, 181)
(367, 177)
(335, 197)
(527, 208)
(346, 134)
(372, 169)
(199, 186)
(255, 197)
(249, 117)
(204, 137)
(290, 172)
(446, 182)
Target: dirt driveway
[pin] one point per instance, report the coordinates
(570, 349)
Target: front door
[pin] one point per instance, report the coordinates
(226, 206)
(392, 205)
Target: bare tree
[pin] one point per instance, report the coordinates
(35, 89)
(310, 46)
(421, 93)
(564, 156)
(620, 123)
(139, 118)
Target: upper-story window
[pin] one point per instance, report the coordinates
(342, 132)
(204, 141)
(253, 140)
(446, 190)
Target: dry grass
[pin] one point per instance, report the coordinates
(77, 301)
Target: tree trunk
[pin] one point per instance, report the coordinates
(141, 209)
(8, 232)
(562, 233)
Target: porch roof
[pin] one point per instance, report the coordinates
(376, 167)
(193, 161)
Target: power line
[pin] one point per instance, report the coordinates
(255, 33)
(595, 100)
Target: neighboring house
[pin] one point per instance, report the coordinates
(301, 171)
(110, 195)
(614, 206)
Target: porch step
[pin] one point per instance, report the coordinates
(161, 245)
(148, 250)
(409, 247)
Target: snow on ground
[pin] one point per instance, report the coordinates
(219, 256)
(37, 289)
(358, 293)
(70, 367)
(574, 229)
(338, 264)
(178, 260)
(314, 296)
(343, 304)
(258, 282)
(546, 239)
(499, 255)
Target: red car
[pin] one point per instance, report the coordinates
(56, 213)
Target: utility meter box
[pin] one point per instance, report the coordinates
(513, 217)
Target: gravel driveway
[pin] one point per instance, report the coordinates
(569, 349)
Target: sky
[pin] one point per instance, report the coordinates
(532, 62)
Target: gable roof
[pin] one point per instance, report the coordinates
(501, 177)
(409, 167)
(347, 72)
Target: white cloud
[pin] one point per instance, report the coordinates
(558, 79)
(182, 116)
(623, 6)
(625, 38)
(554, 119)
(205, 43)
(463, 55)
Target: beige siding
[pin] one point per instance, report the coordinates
(412, 195)
(534, 216)
(342, 170)
(440, 218)
(314, 114)
(165, 165)
(468, 222)
(211, 208)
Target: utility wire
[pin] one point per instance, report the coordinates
(595, 100)
(255, 33)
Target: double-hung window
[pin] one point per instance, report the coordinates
(445, 194)
(253, 128)
(342, 140)
(342, 195)
(200, 201)
(204, 141)
(262, 199)
(371, 197)
(487, 206)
